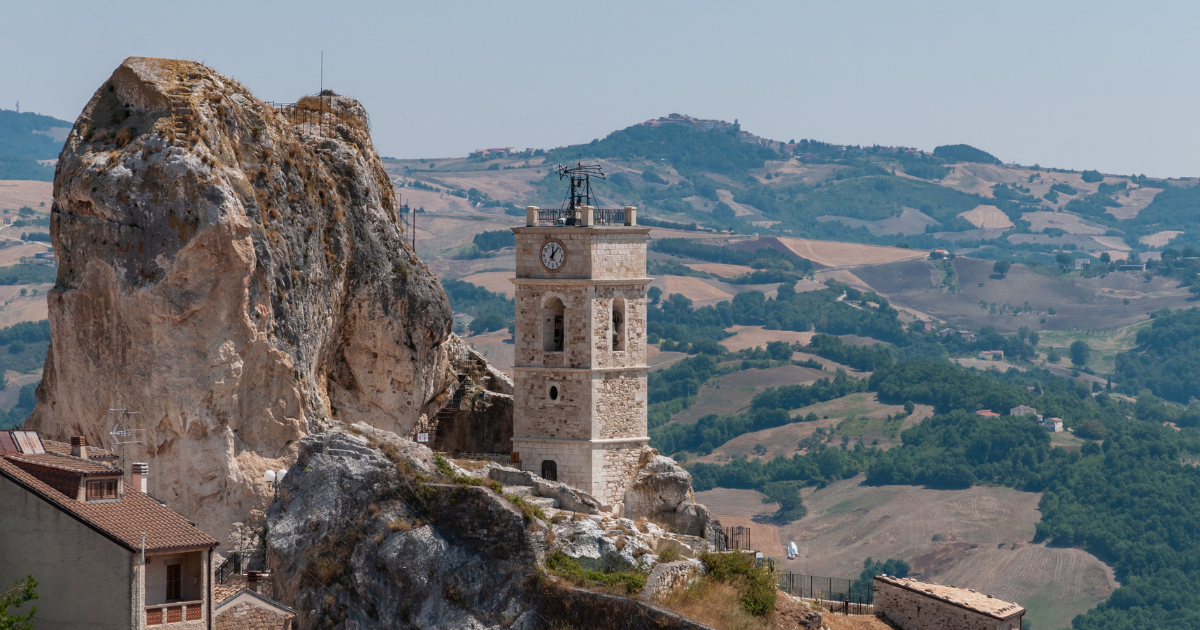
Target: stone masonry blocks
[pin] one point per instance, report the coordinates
(594, 431)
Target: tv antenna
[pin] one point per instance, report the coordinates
(121, 433)
(581, 183)
(412, 221)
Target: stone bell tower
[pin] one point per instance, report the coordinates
(580, 347)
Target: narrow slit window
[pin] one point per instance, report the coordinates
(617, 327)
(554, 325)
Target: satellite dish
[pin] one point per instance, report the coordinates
(269, 476)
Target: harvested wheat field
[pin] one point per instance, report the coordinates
(13, 255)
(987, 217)
(513, 185)
(975, 538)
(721, 269)
(740, 210)
(844, 276)
(1159, 239)
(732, 393)
(983, 364)
(697, 290)
(1137, 200)
(494, 281)
(1069, 223)
(838, 254)
(657, 232)
(756, 336)
(26, 309)
(17, 193)
(1112, 242)
(10, 394)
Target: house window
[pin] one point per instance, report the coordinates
(549, 470)
(105, 489)
(617, 327)
(554, 326)
(174, 582)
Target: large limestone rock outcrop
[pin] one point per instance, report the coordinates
(662, 493)
(237, 276)
(372, 531)
(367, 534)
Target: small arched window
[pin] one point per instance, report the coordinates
(549, 470)
(553, 325)
(617, 324)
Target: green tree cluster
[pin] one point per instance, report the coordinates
(494, 240)
(492, 311)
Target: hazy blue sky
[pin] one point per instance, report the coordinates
(1100, 85)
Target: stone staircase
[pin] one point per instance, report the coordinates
(530, 495)
(181, 107)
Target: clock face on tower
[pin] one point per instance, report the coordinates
(553, 255)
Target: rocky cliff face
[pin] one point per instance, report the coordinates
(238, 275)
(371, 531)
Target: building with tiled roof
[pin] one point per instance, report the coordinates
(913, 605)
(105, 555)
(247, 609)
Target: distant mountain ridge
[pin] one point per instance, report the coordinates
(26, 138)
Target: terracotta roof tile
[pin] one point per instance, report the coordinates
(122, 521)
(62, 448)
(85, 467)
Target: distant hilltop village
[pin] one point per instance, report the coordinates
(786, 148)
(801, 149)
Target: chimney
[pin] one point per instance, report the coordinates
(253, 580)
(140, 473)
(79, 447)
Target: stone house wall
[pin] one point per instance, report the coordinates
(912, 611)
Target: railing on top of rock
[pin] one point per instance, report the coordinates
(319, 110)
(297, 115)
(241, 562)
(737, 539)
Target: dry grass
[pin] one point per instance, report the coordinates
(987, 217)
(16, 193)
(716, 604)
(1069, 223)
(697, 290)
(1159, 239)
(855, 622)
(756, 336)
(836, 254)
(721, 269)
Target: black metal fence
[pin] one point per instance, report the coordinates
(241, 562)
(848, 594)
(737, 539)
(568, 216)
